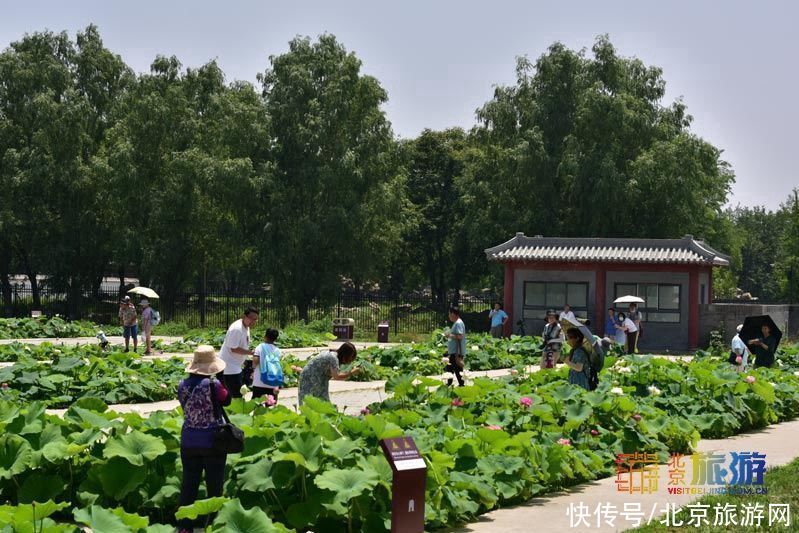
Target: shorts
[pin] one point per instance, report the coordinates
(130, 331)
(455, 363)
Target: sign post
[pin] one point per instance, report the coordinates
(407, 489)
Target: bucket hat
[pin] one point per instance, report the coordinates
(205, 361)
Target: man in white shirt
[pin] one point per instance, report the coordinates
(236, 349)
(739, 349)
(567, 313)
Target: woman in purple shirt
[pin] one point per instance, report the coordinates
(201, 397)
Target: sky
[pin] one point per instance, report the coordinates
(733, 62)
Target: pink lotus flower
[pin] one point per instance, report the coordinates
(594, 432)
(4, 386)
(270, 401)
(296, 368)
(457, 402)
(636, 417)
(495, 428)
(365, 411)
(750, 379)
(565, 442)
(525, 401)
(739, 360)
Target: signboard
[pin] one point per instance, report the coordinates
(407, 489)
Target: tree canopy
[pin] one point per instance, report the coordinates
(182, 176)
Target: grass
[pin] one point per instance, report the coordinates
(782, 486)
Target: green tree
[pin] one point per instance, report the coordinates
(760, 232)
(788, 258)
(434, 169)
(331, 148)
(38, 131)
(188, 145)
(583, 146)
(56, 101)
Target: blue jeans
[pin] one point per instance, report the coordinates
(130, 331)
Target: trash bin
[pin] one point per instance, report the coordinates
(382, 332)
(343, 328)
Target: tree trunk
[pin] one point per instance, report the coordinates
(37, 301)
(203, 297)
(303, 308)
(121, 280)
(5, 272)
(74, 299)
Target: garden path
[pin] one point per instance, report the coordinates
(549, 513)
(347, 396)
(74, 341)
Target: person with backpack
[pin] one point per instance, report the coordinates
(578, 359)
(202, 398)
(268, 373)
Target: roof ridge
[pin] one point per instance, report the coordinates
(607, 249)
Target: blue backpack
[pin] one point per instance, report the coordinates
(269, 366)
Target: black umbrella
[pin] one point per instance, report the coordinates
(752, 325)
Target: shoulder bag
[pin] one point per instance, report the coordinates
(227, 437)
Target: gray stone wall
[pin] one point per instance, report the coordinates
(728, 316)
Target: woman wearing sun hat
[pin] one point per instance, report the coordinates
(197, 395)
(147, 325)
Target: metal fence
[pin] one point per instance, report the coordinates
(405, 313)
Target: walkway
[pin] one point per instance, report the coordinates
(75, 341)
(348, 396)
(549, 513)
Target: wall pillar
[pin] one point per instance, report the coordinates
(507, 298)
(693, 309)
(599, 301)
(710, 285)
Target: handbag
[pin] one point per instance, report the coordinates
(227, 437)
(459, 356)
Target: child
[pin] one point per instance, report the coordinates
(101, 337)
(268, 374)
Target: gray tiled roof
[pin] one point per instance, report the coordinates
(665, 251)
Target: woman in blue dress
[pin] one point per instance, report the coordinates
(577, 360)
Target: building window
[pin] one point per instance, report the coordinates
(542, 295)
(661, 300)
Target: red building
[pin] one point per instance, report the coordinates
(673, 276)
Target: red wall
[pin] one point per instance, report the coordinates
(601, 269)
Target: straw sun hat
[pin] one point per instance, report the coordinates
(205, 361)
